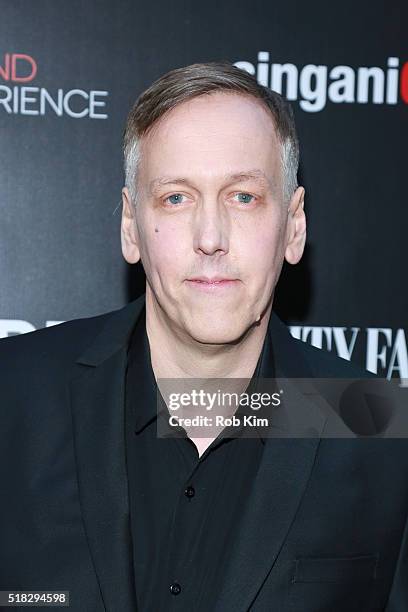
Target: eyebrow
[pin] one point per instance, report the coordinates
(245, 176)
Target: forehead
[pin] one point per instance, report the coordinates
(217, 134)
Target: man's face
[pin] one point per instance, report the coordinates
(210, 206)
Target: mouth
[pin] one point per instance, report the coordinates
(212, 284)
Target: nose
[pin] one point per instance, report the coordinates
(211, 229)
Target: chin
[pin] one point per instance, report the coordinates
(214, 330)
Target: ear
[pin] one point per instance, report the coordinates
(296, 227)
(128, 233)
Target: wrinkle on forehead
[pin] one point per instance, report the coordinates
(255, 175)
(238, 131)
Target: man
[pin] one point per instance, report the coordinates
(95, 501)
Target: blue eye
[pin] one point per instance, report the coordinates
(246, 197)
(177, 197)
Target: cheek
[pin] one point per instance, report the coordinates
(259, 250)
(165, 250)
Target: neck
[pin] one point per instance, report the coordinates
(176, 354)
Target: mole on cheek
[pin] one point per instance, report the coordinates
(155, 229)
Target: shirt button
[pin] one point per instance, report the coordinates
(175, 588)
(189, 492)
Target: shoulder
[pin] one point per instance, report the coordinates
(52, 346)
(303, 359)
(48, 356)
(325, 364)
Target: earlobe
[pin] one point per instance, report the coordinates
(129, 235)
(296, 228)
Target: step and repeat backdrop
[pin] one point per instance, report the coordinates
(69, 73)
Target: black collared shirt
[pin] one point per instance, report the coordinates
(184, 509)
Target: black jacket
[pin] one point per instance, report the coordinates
(326, 529)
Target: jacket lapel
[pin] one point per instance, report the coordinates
(281, 479)
(97, 403)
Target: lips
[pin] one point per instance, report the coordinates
(212, 284)
(213, 280)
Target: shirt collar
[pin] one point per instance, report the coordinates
(141, 386)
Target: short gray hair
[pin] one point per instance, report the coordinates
(182, 84)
